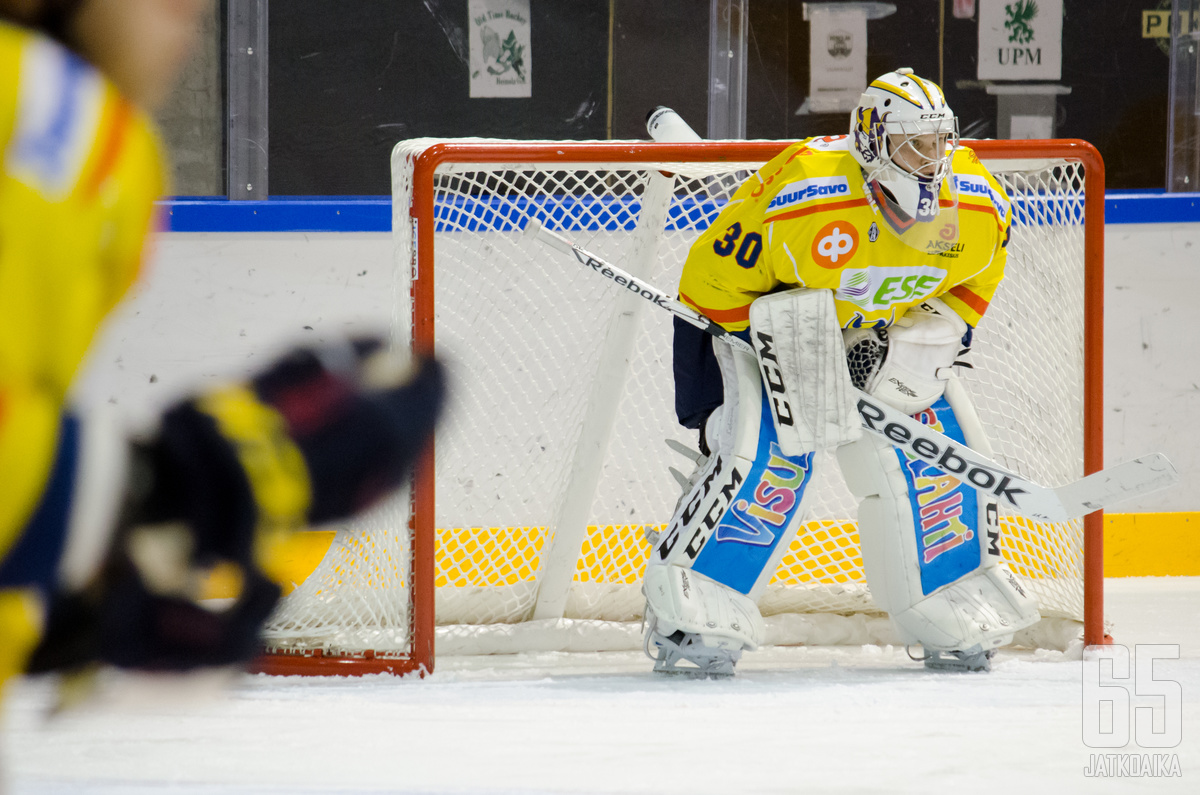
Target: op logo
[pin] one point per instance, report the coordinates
(835, 244)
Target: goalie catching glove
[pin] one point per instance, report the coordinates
(319, 436)
(907, 365)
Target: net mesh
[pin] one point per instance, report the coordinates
(541, 352)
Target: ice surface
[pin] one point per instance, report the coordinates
(863, 719)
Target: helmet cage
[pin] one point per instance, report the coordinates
(899, 140)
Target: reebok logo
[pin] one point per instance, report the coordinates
(644, 290)
(947, 458)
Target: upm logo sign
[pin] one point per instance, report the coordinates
(807, 190)
(880, 288)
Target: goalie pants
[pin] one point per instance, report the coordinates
(699, 388)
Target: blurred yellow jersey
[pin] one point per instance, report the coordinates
(807, 219)
(81, 171)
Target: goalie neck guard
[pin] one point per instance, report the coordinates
(904, 135)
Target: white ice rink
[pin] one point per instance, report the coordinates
(863, 719)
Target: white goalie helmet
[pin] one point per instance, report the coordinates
(903, 134)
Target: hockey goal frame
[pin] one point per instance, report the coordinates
(421, 215)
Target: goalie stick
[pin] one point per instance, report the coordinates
(1094, 492)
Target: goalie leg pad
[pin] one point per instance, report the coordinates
(695, 625)
(745, 505)
(931, 549)
(976, 614)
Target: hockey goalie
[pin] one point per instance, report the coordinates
(861, 261)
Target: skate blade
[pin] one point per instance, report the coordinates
(967, 662)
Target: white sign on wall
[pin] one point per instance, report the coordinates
(1020, 39)
(501, 57)
(837, 57)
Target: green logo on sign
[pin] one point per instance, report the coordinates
(506, 55)
(1020, 14)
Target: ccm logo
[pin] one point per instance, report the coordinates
(701, 514)
(769, 365)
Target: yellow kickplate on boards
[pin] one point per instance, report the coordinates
(1135, 545)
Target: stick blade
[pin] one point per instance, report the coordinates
(532, 227)
(1107, 487)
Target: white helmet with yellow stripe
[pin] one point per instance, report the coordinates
(903, 134)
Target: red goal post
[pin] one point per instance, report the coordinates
(459, 206)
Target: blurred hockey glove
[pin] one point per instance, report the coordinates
(319, 436)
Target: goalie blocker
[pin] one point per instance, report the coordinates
(930, 543)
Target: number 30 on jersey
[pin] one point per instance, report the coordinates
(747, 251)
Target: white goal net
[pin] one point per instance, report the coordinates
(552, 462)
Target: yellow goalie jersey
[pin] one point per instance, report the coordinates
(81, 172)
(807, 219)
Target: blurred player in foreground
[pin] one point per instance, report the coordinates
(104, 542)
(880, 250)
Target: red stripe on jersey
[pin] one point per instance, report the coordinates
(981, 208)
(964, 294)
(739, 315)
(898, 221)
(113, 139)
(820, 208)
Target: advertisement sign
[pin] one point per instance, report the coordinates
(837, 58)
(1020, 39)
(501, 57)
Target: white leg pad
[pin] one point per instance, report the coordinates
(732, 433)
(983, 609)
(977, 612)
(686, 601)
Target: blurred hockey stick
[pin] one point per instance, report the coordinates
(1095, 492)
